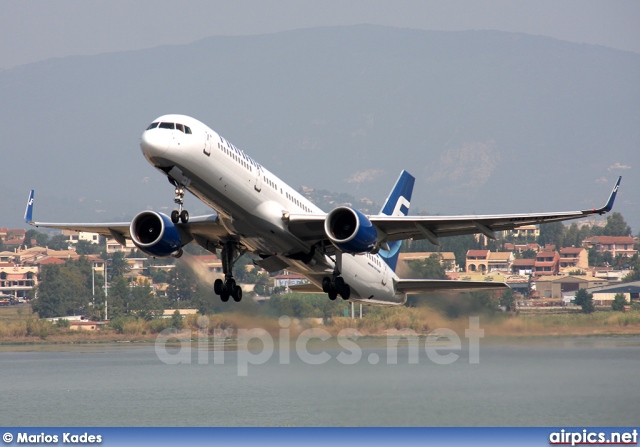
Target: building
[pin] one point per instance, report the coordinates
(552, 286)
(485, 261)
(604, 296)
(616, 245)
(114, 246)
(17, 281)
(519, 248)
(523, 266)
(524, 232)
(73, 237)
(288, 279)
(447, 260)
(547, 263)
(211, 262)
(13, 238)
(573, 258)
(136, 266)
(7, 257)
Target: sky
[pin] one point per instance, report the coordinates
(36, 30)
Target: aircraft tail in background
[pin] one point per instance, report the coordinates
(397, 204)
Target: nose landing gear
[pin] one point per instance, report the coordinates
(179, 214)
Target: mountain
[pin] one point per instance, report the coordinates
(486, 121)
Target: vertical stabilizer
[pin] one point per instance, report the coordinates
(28, 212)
(397, 204)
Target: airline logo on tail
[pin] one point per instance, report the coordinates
(397, 204)
(28, 213)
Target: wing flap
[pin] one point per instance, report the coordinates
(413, 286)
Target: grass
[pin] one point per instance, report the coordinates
(19, 325)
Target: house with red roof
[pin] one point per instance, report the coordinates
(616, 245)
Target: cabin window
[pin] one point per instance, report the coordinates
(187, 130)
(167, 126)
(180, 127)
(152, 125)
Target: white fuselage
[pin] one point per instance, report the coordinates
(251, 203)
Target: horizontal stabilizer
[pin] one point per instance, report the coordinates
(413, 286)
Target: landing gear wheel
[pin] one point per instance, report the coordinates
(339, 283)
(326, 284)
(237, 294)
(184, 216)
(227, 287)
(175, 216)
(218, 285)
(333, 294)
(345, 292)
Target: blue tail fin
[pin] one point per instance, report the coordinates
(28, 212)
(397, 204)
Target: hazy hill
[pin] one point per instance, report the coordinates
(486, 121)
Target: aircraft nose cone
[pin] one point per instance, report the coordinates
(153, 143)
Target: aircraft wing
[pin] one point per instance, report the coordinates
(311, 227)
(202, 228)
(413, 286)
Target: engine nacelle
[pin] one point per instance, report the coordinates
(155, 234)
(350, 231)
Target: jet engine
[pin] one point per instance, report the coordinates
(350, 231)
(155, 234)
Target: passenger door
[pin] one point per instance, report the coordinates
(258, 185)
(207, 144)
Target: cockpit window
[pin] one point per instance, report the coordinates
(153, 125)
(167, 126)
(187, 129)
(180, 127)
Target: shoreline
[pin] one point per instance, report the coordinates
(365, 340)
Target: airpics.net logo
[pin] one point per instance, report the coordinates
(257, 346)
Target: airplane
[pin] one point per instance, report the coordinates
(342, 253)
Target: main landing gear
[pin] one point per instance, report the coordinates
(228, 287)
(335, 285)
(179, 214)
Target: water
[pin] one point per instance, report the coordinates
(588, 381)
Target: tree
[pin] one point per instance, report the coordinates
(58, 242)
(87, 248)
(182, 284)
(619, 301)
(119, 266)
(63, 289)
(634, 275)
(143, 303)
(428, 268)
(508, 300)
(616, 226)
(40, 238)
(584, 299)
(262, 284)
(118, 297)
(176, 320)
(552, 234)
